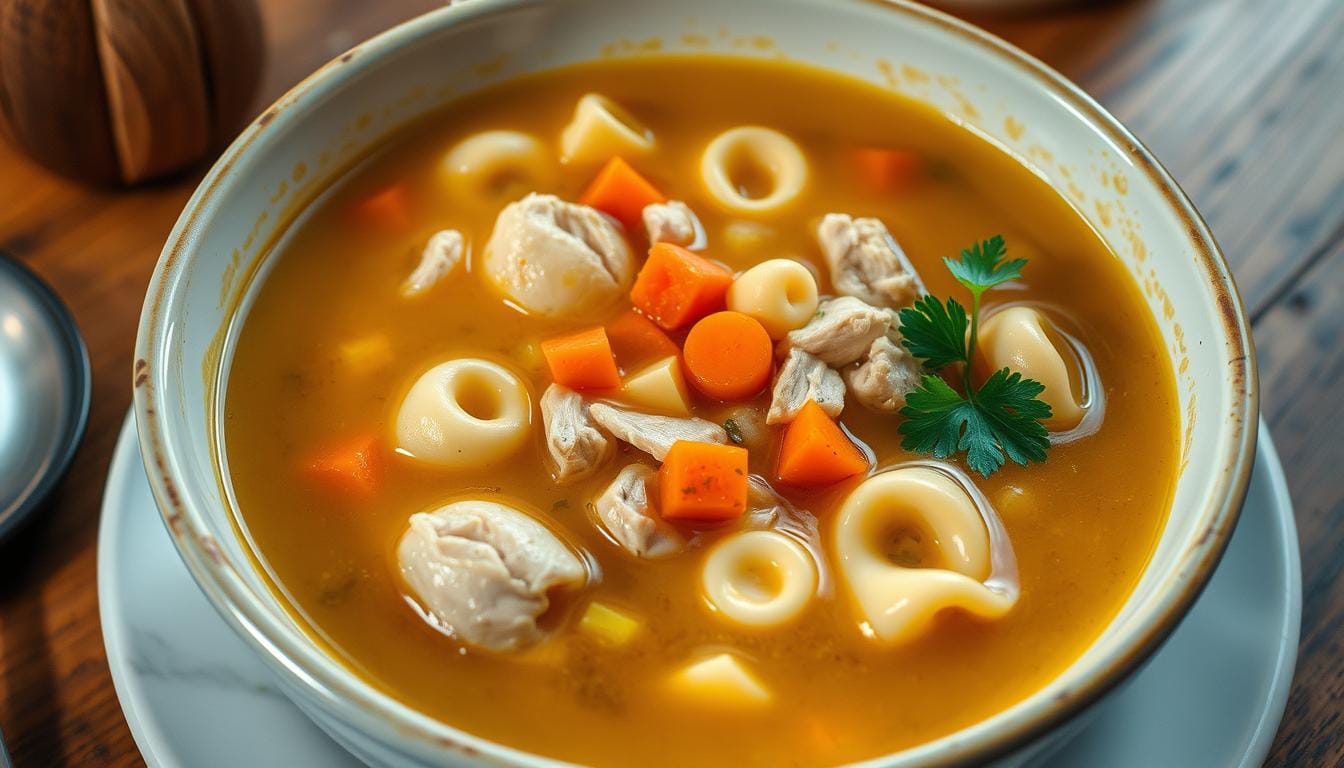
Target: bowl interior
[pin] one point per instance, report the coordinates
(217, 257)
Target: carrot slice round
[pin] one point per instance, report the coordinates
(728, 355)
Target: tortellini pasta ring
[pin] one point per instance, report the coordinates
(974, 568)
(1022, 338)
(759, 578)
(780, 293)
(750, 169)
(496, 165)
(464, 413)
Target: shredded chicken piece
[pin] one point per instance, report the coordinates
(887, 374)
(803, 377)
(766, 509)
(764, 506)
(672, 222)
(441, 256)
(576, 445)
(482, 571)
(655, 434)
(625, 512)
(841, 332)
(556, 258)
(866, 262)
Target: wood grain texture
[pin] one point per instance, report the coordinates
(232, 54)
(1240, 98)
(1301, 349)
(155, 87)
(126, 90)
(66, 128)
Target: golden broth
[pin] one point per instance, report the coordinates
(1082, 524)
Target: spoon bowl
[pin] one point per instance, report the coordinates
(44, 393)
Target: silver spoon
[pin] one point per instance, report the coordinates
(44, 397)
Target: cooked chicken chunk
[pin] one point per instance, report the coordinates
(866, 262)
(483, 571)
(655, 434)
(764, 506)
(556, 258)
(624, 510)
(803, 377)
(842, 331)
(576, 445)
(672, 222)
(766, 509)
(441, 256)
(885, 377)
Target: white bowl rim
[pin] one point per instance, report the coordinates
(357, 701)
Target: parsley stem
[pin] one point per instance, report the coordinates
(970, 346)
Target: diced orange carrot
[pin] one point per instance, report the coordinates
(389, 208)
(352, 468)
(703, 482)
(582, 360)
(619, 190)
(676, 287)
(637, 341)
(727, 355)
(816, 452)
(888, 170)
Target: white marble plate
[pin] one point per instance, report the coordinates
(195, 696)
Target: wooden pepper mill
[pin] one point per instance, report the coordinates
(121, 91)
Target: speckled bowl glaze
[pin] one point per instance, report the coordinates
(218, 253)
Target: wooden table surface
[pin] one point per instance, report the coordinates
(1243, 100)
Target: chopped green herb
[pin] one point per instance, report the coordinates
(935, 333)
(982, 266)
(560, 504)
(999, 421)
(734, 431)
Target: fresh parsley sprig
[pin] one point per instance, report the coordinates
(996, 422)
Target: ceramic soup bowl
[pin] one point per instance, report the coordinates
(218, 254)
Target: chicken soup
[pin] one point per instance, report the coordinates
(699, 411)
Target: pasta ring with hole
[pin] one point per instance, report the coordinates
(759, 578)
(977, 572)
(781, 294)
(758, 151)
(464, 414)
(491, 166)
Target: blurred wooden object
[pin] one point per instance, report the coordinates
(1239, 98)
(126, 90)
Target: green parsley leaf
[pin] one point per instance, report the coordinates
(1012, 415)
(734, 431)
(982, 266)
(933, 418)
(996, 423)
(1001, 420)
(935, 333)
